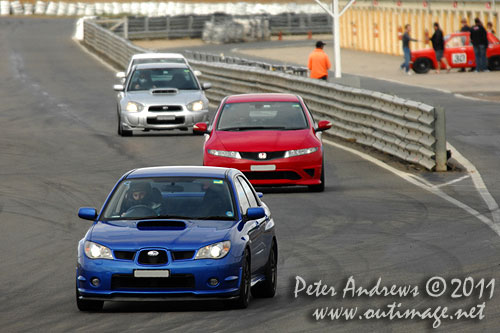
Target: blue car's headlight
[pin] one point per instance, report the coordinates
(97, 251)
(298, 152)
(214, 251)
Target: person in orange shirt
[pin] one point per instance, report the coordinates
(319, 62)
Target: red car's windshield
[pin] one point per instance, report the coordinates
(262, 116)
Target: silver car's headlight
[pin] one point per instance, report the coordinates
(196, 106)
(214, 251)
(97, 251)
(298, 152)
(225, 153)
(134, 107)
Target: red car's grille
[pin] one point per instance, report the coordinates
(262, 156)
(265, 175)
(128, 281)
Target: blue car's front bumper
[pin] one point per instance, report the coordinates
(188, 279)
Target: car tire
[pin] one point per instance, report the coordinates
(246, 276)
(421, 65)
(121, 131)
(319, 187)
(494, 63)
(267, 288)
(88, 305)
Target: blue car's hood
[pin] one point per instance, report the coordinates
(124, 235)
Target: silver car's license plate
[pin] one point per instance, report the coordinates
(165, 117)
(148, 273)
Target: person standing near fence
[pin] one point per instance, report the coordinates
(406, 49)
(465, 28)
(479, 40)
(318, 63)
(438, 46)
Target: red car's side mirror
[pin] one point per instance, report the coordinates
(200, 128)
(323, 125)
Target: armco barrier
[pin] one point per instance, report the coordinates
(410, 130)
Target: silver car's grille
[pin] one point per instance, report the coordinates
(160, 121)
(165, 108)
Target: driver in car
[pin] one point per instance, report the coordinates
(139, 194)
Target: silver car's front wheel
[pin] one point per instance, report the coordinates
(122, 131)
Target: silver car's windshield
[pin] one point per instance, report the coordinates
(171, 197)
(179, 78)
(262, 116)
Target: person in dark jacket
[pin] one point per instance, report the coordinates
(406, 49)
(437, 40)
(479, 40)
(465, 28)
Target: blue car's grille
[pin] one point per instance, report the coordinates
(152, 257)
(128, 281)
(182, 255)
(124, 255)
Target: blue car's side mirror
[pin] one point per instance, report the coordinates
(260, 194)
(87, 213)
(255, 213)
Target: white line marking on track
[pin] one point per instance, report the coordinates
(452, 181)
(424, 184)
(96, 57)
(478, 183)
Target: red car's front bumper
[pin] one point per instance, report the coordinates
(297, 170)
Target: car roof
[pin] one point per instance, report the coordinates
(161, 65)
(156, 55)
(270, 97)
(181, 171)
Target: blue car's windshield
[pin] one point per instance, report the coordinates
(171, 197)
(262, 116)
(157, 78)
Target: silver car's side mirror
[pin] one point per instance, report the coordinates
(197, 73)
(118, 87)
(206, 85)
(121, 75)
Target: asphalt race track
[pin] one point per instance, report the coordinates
(59, 151)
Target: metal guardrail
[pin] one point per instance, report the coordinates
(140, 27)
(410, 130)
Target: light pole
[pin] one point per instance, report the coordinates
(336, 30)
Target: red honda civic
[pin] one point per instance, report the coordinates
(272, 138)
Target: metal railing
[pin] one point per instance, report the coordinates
(412, 131)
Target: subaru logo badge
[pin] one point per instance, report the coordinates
(153, 253)
(262, 156)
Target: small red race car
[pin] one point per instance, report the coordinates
(272, 138)
(458, 51)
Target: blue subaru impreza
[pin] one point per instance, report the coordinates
(178, 233)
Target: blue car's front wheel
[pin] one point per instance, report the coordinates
(244, 295)
(88, 305)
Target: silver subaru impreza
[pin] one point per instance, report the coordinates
(160, 96)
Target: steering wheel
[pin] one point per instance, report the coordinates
(140, 211)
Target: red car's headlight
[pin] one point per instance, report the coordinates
(224, 153)
(298, 152)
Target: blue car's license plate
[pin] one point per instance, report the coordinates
(148, 273)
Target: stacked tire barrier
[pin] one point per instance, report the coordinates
(412, 131)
